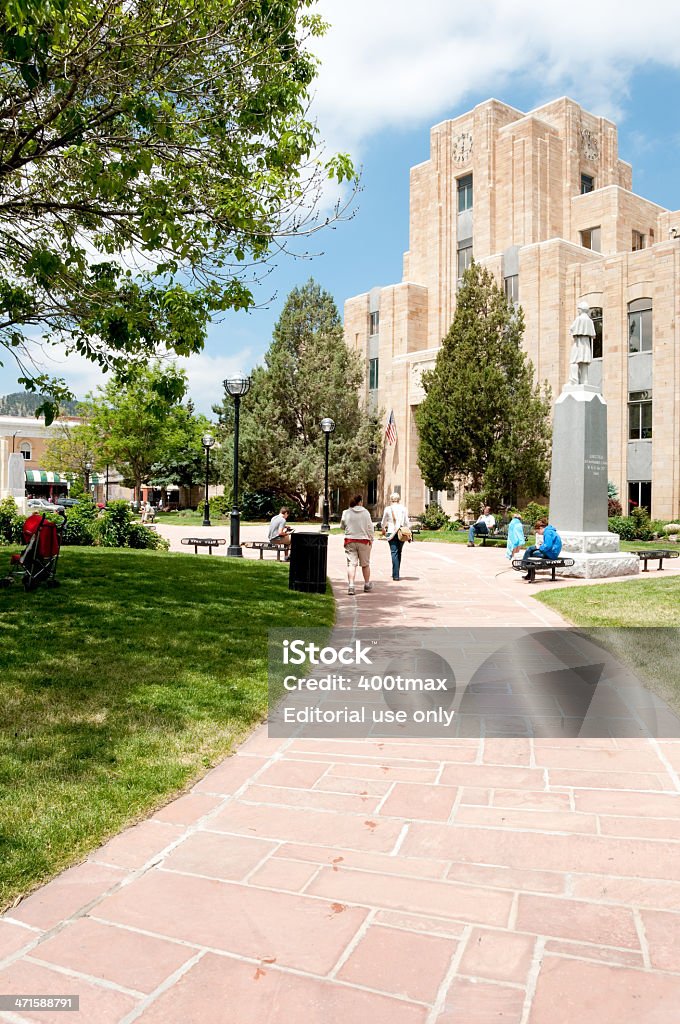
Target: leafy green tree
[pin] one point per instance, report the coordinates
(309, 373)
(182, 456)
(149, 150)
(133, 417)
(75, 450)
(484, 419)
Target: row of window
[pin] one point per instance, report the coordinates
(591, 238)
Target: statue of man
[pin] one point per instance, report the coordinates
(582, 331)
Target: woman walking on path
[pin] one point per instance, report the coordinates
(395, 518)
(358, 526)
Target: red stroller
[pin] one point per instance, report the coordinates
(37, 563)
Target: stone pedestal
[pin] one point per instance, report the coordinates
(578, 487)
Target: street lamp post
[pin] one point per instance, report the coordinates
(237, 387)
(328, 426)
(207, 441)
(87, 469)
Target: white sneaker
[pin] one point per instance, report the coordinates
(367, 587)
(350, 590)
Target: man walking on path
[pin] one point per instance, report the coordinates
(358, 526)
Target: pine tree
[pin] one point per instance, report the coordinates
(309, 373)
(484, 419)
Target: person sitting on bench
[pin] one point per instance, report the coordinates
(550, 547)
(482, 526)
(279, 533)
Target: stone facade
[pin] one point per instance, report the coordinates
(543, 200)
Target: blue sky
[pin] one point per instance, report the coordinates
(387, 77)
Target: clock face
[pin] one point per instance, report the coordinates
(462, 147)
(589, 144)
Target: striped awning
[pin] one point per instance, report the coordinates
(41, 476)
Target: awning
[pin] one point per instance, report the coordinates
(41, 476)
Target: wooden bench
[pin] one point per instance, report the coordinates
(204, 542)
(264, 545)
(534, 565)
(659, 553)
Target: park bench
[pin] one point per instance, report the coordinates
(659, 553)
(499, 533)
(264, 545)
(204, 542)
(534, 565)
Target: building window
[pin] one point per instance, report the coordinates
(25, 450)
(590, 239)
(638, 241)
(464, 256)
(372, 496)
(450, 495)
(596, 317)
(639, 495)
(587, 184)
(373, 374)
(640, 326)
(373, 323)
(512, 288)
(464, 189)
(639, 415)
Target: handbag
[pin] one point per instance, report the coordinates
(404, 534)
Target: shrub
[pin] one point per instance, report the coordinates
(10, 522)
(140, 536)
(112, 528)
(80, 524)
(614, 507)
(220, 505)
(261, 504)
(624, 526)
(473, 502)
(670, 528)
(534, 511)
(434, 517)
(643, 526)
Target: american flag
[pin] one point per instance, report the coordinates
(391, 429)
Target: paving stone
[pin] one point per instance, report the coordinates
(499, 956)
(255, 993)
(472, 1002)
(298, 932)
(570, 991)
(120, 955)
(219, 856)
(98, 1005)
(577, 919)
(400, 962)
(66, 895)
(464, 903)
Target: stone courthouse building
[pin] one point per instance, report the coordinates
(543, 200)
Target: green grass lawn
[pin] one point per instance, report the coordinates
(638, 621)
(121, 687)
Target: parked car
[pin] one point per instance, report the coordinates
(41, 505)
(69, 502)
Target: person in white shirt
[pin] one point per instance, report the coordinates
(358, 526)
(483, 525)
(395, 517)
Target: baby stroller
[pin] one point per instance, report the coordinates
(37, 563)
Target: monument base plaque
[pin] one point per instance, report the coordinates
(597, 556)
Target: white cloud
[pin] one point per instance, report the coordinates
(393, 63)
(206, 373)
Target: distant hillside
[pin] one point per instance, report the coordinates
(23, 403)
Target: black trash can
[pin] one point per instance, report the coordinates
(308, 561)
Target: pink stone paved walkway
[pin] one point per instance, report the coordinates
(409, 882)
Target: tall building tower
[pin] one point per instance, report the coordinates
(543, 200)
